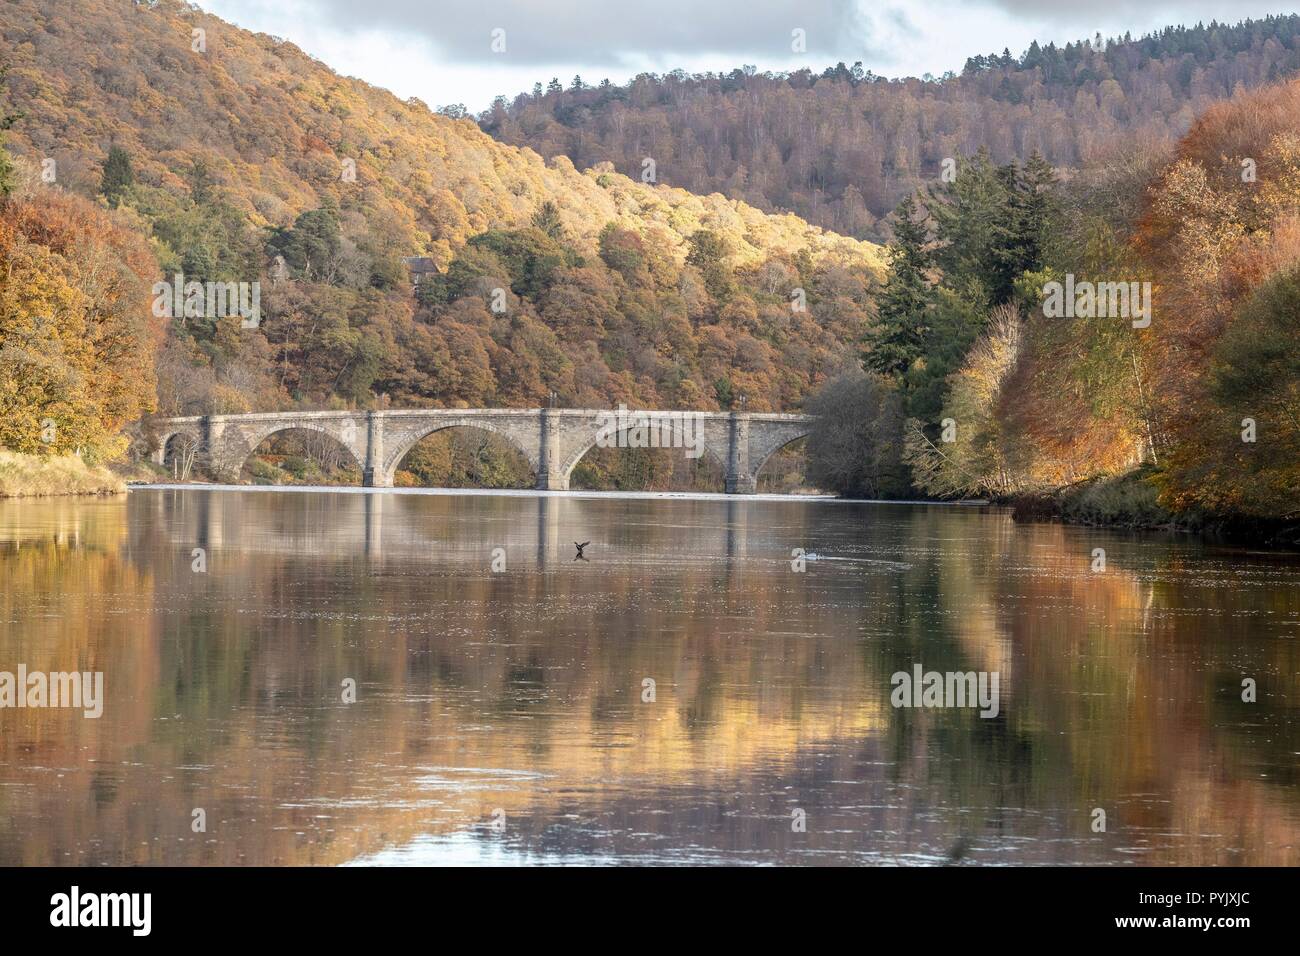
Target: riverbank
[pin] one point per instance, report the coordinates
(31, 476)
(1130, 501)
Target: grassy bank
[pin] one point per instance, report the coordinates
(1130, 501)
(1126, 501)
(33, 475)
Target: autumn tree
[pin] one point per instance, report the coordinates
(1256, 383)
(855, 444)
(78, 341)
(971, 453)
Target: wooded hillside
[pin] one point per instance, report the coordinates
(841, 146)
(234, 152)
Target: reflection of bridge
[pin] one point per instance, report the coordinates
(413, 530)
(553, 440)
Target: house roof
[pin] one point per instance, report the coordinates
(419, 264)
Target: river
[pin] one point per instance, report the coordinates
(313, 677)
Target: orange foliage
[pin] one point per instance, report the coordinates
(1223, 221)
(75, 319)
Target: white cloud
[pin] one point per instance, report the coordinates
(440, 51)
(598, 32)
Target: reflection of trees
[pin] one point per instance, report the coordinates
(1113, 687)
(223, 689)
(52, 619)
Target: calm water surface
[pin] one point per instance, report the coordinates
(516, 698)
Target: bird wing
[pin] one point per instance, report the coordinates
(581, 546)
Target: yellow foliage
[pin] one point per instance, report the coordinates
(275, 125)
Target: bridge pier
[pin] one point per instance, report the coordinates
(374, 475)
(738, 480)
(550, 476)
(741, 485)
(222, 465)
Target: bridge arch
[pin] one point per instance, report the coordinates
(178, 447)
(165, 437)
(413, 436)
(241, 443)
(672, 428)
(766, 449)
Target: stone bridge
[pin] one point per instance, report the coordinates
(553, 440)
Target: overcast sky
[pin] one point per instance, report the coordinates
(442, 50)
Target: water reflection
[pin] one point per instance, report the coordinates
(517, 696)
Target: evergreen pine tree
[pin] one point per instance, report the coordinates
(968, 213)
(117, 176)
(899, 335)
(6, 172)
(7, 120)
(547, 219)
(1041, 209)
(1024, 224)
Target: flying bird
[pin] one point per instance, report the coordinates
(580, 556)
